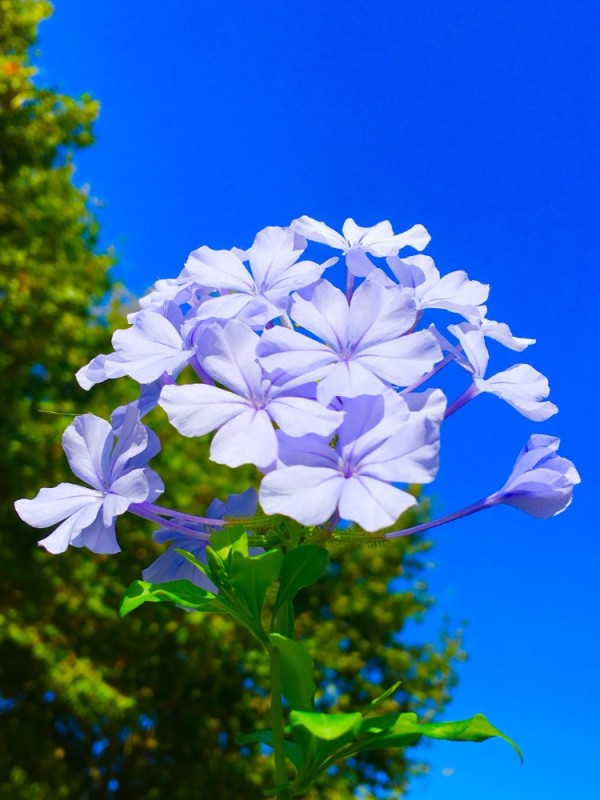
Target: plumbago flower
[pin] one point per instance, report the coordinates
(366, 343)
(378, 444)
(453, 292)
(244, 412)
(113, 463)
(330, 395)
(261, 294)
(521, 386)
(356, 242)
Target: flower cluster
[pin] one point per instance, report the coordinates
(327, 392)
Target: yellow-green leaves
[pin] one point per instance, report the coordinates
(182, 593)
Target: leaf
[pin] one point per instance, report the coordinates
(383, 696)
(283, 621)
(292, 751)
(378, 724)
(231, 538)
(326, 726)
(301, 567)
(296, 667)
(193, 560)
(406, 730)
(251, 577)
(183, 593)
(217, 570)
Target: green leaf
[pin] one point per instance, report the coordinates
(378, 724)
(183, 593)
(326, 726)
(296, 666)
(231, 538)
(251, 577)
(217, 571)
(193, 560)
(292, 751)
(284, 621)
(383, 696)
(301, 567)
(406, 730)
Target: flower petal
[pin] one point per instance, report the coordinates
(323, 310)
(541, 483)
(132, 442)
(401, 361)
(524, 388)
(347, 379)
(316, 231)
(219, 269)
(293, 353)
(503, 334)
(379, 315)
(249, 438)
(229, 356)
(473, 344)
(87, 443)
(307, 451)
(50, 506)
(172, 566)
(358, 262)
(372, 503)
(274, 250)
(298, 416)
(198, 409)
(307, 494)
(151, 347)
(411, 455)
(98, 537)
(66, 534)
(227, 306)
(133, 486)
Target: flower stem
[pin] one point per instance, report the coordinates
(140, 511)
(281, 776)
(465, 397)
(170, 512)
(481, 505)
(444, 363)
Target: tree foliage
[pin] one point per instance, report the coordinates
(146, 707)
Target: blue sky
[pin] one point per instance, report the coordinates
(479, 120)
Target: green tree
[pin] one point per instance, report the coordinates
(153, 701)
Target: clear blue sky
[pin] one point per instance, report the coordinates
(479, 120)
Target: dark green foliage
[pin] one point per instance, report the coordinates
(155, 699)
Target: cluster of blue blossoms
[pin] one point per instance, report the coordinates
(327, 392)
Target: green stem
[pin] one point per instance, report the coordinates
(281, 776)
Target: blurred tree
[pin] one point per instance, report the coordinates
(147, 707)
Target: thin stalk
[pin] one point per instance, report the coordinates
(447, 360)
(281, 775)
(169, 512)
(461, 401)
(140, 511)
(487, 502)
